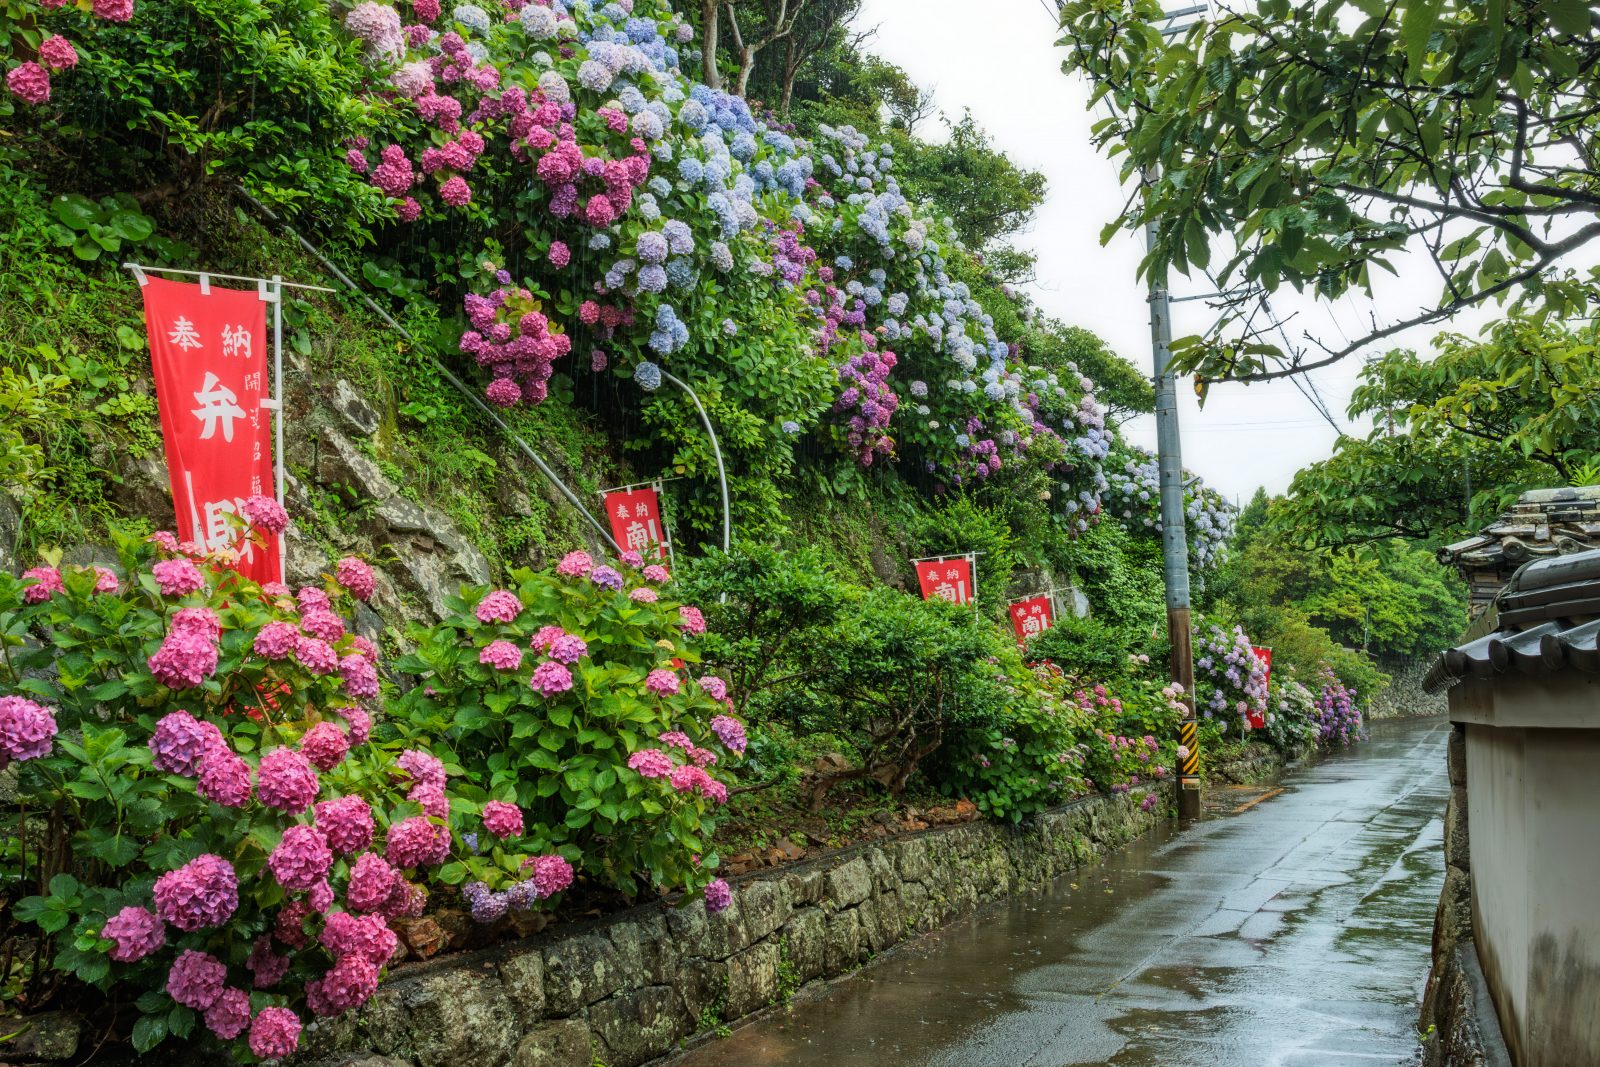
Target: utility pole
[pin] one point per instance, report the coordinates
(1174, 535)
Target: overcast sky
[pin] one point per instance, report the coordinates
(1005, 67)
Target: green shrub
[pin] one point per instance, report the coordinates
(571, 694)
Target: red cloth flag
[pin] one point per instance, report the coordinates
(208, 348)
(950, 579)
(1030, 618)
(1258, 719)
(636, 521)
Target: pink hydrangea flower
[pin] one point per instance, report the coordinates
(57, 53)
(551, 874)
(114, 10)
(407, 901)
(560, 254)
(196, 979)
(691, 621)
(325, 745)
(643, 595)
(224, 777)
(366, 937)
(502, 819)
(286, 780)
(360, 723)
(202, 893)
(730, 732)
(179, 741)
(456, 192)
(417, 842)
(429, 796)
(346, 822)
(651, 763)
(267, 966)
(499, 606)
(408, 210)
(310, 598)
(30, 82)
(186, 658)
(718, 896)
(676, 739)
(105, 580)
(372, 883)
(574, 565)
(662, 683)
(275, 1033)
(276, 640)
(348, 984)
(26, 730)
(632, 559)
(422, 767)
(165, 540)
(177, 577)
(301, 859)
(568, 649)
(320, 897)
(202, 621)
(46, 581)
(316, 655)
(550, 678)
(289, 927)
(501, 655)
(360, 677)
(425, 10)
(137, 933)
(702, 757)
(323, 625)
(713, 687)
(656, 573)
(547, 636)
(229, 1014)
(265, 513)
(356, 576)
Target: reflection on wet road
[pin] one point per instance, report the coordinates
(1288, 929)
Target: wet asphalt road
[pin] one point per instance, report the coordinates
(1288, 929)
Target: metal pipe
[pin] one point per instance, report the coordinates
(477, 401)
(1174, 536)
(277, 415)
(716, 451)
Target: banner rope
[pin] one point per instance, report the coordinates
(449, 376)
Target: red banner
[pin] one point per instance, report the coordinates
(636, 521)
(209, 348)
(1030, 618)
(1258, 719)
(949, 579)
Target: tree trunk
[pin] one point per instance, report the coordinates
(747, 66)
(709, 16)
(791, 67)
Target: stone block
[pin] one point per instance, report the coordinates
(579, 971)
(702, 984)
(752, 979)
(1457, 842)
(805, 887)
(1456, 755)
(725, 931)
(523, 977)
(689, 929)
(648, 949)
(884, 878)
(807, 935)
(636, 1027)
(49, 1036)
(357, 415)
(443, 1019)
(564, 1043)
(849, 884)
(911, 859)
(881, 922)
(765, 906)
(842, 950)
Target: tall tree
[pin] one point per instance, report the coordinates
(1314, 141)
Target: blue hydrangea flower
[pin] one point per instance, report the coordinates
(790, 426)
(652, 278)
(648, 375)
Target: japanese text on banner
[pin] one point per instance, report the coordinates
(636, 521)
(948, 579)
(208, 350)
(1031, 617)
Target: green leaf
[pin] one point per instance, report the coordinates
(149, 1032)
(75, 210)
(1569, 16)
(1416, 27)
(131, 226)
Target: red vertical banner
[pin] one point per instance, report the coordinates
(948, 579)
(209, 349)
(1031, 617)
(1258, 719)
(636, 521)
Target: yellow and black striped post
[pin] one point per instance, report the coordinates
(1188, 733)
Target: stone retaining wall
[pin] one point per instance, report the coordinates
(628, 989)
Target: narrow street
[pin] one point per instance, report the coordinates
(1290, 928)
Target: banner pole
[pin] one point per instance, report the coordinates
(277, 415)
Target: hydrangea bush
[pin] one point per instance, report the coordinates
(573, 695)
(1230, 682)
(1292, 715)
(216, 839)
(1338, 714)
(1133, 495)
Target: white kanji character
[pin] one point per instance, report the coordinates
(217, 403)
(946, 591)
(952, 574)
(622, 511)
(220, 533)
(641, 510)
(235, 341)
(1030, 625)
(183, 334)
(637, 536)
